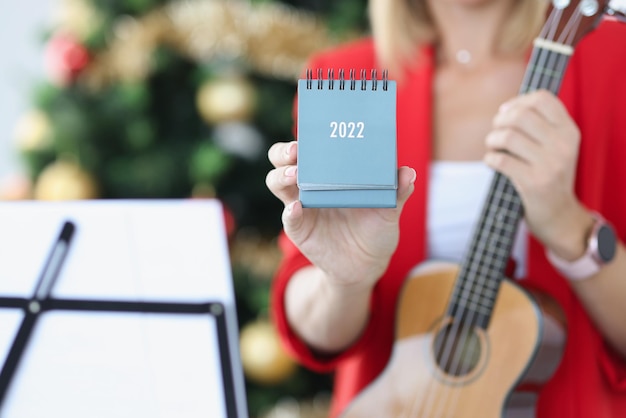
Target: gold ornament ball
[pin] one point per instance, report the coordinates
(33, 131)
(263, 358)
(226, 99)
(64, 180)
(79, 18)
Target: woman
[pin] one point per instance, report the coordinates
(459, 65)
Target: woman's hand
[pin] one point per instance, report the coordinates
(351, 246)
(534, 142)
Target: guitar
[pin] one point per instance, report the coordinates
(466, 336)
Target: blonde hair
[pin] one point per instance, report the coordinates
(399, 27)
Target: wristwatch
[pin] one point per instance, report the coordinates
(601, 247)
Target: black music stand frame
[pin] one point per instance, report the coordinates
(42, 302)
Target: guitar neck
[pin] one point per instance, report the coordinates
(546, 66)
(483, 270)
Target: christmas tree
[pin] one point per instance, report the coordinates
(182, 99)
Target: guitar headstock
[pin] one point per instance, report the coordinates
(570, 20)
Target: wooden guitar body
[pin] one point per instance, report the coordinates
(416, 384)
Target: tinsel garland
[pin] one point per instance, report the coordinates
(272, 38)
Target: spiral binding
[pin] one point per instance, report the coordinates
(342, 79)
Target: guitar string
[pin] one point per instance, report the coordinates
(457, 339)
(547, 78)
(473, 272)
(468, 324)
(443, 350)
(472, 269)
(469, 318)
(551, 86)
(544, 78)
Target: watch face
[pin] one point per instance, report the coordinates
(607, 243)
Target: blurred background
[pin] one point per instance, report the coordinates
(171, 99)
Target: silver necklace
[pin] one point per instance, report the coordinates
(463, 56)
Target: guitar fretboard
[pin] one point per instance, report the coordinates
(482, 272)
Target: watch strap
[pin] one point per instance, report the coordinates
(580, 269)
(588, 264)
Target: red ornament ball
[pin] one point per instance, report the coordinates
(65, 58)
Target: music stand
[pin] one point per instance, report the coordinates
(107, 356)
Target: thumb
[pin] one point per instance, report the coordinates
(293, 220)
(406, 184)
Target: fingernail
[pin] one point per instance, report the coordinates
(290, 171)
(503, 107)
(290, 207)
(413, 177)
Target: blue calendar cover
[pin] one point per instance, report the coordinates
(347, 142)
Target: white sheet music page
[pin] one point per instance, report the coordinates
(120, 364)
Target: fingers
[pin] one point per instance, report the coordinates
(509, 165)
(281, 181)
(514, 143)
(534, 128)
(531, 115)
(283, 153)
(545, 104)
(535, 144)
(406, 186)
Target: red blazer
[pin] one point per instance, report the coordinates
(591, 379)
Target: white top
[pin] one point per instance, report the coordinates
(457, 192)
